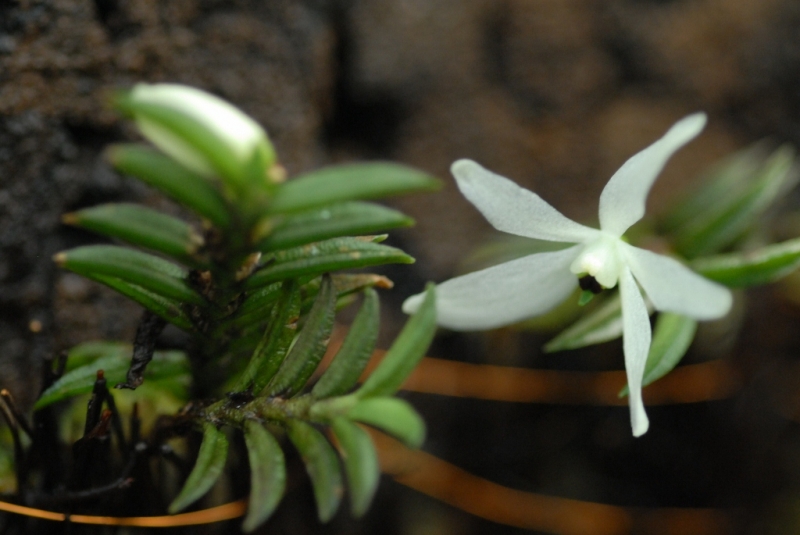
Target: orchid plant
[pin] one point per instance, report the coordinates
(255, 282)
(599, 260)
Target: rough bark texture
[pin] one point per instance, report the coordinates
(553, 93)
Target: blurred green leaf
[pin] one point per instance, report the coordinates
(360, 464)
(169, 309)
(720, 186)
(87, 352)
(743, 269)
(114, 360)
(391, 415)
(309, 348)
(602, 324)
(140, 226)
(326, 256)
(184, 186)
(207, 469)
(135, 267)
(407, 350)
(350, 182)
(267, 474)
(719, 224)
(322, 466)
(672, 336)
(344, 219)
(353, 356)
(274, 343)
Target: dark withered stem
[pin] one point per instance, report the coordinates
(144, 345)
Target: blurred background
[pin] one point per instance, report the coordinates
(555, 94)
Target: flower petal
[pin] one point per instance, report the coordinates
(673, 287)
(636, 336)
(503, 294)
(623, 199)
(510, 208)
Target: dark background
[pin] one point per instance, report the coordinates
(555, 94)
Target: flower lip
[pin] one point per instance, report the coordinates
(599, 259)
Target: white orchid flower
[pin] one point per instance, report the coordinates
(534, 284)
(201, 131)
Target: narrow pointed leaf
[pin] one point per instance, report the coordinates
(360, 464)
(323, 257)
(135, 267)
(271, 350)
(182, 185)
(322, 466)
(308, 350)
(207, 469)
(350, 182)
(267, 474)
(344, 219)
(672, 336)
(762, 266)
(392, 415)
(722, 224)
(601, 325)
(114, 360)
(169, 309)
(140, 226)
(407, 350)
(353, 356)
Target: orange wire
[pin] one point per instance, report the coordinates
(687, 384)
(226, 511)
(445, 482)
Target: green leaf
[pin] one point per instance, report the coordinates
(356, 350)
(267, 474)
(392, 415)
(323, 257)
(271, 350)
(140, 226)
(360, 464)
(672, 336)
(169, 309)
(182, 185)
(762, 266)
(725, 182)
(601, 325)
(114, 360)
(135, 267)
(322, 466)
(197, 137)
(310, 346)
(87, 352)
(345, 219)
(406, 352)
(721, 224)
(350, 182)
(207, 469)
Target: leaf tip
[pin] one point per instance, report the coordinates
(70, 218)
